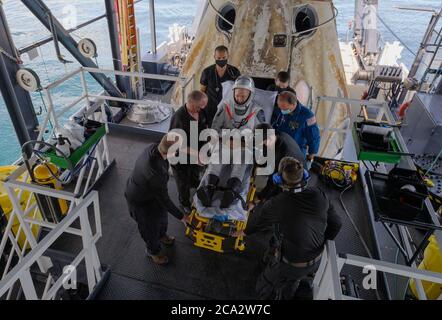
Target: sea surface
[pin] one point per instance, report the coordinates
(26, 29)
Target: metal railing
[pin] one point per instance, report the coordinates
(84, 106)
(95, 162)
(184, 83)
(19, 277)
(380, 112)
(329, 129)
(327, 281)
(25, 216)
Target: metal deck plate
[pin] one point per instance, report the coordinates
(193, 273)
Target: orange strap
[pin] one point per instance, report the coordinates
(229, 112)
(243, 121)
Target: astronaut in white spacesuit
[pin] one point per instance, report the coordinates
(239, 113)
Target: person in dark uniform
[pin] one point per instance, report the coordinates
(304, 220)
(187, 175)
(281, 83)
(212, 78)
(148, 200)
(283, 146)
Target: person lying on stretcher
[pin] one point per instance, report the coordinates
(240, 158)
(239, 113)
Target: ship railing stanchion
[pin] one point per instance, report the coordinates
(21, 270)
(326, 284)
(91, 166)
(382, 114)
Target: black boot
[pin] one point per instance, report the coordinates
(205, 193)
(233, 189)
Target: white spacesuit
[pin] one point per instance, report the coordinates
(241, 116)
(239, 112)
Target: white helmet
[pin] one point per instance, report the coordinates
(243, 82)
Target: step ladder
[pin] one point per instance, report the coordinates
(128, 38)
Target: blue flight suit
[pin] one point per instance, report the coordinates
(301, 126)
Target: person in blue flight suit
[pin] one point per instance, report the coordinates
(299, 122)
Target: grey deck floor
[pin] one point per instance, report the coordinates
(193, 273)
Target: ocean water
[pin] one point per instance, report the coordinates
(26, 29)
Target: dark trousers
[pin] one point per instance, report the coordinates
(210, 112)
(186, 177)
(280, 281)
(152, 223)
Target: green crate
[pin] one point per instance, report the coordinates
(78, 154)
(393, 157)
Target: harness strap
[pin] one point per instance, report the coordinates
(243, 121)
(302, 264)
(229, 112)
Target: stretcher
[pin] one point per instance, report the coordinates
(215, 228)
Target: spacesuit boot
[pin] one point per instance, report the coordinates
(205, 193)
(233, 189)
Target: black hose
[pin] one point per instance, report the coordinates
(44, 162)
(355, 227)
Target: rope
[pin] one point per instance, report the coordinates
(433, 163)
(76, 35)
(46, 110)
(226, 33)
(394, 34)
(219, 14)
(335, 15)
(10, 56)
(295, 38)
(44, 65)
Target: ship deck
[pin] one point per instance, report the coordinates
(196, 273)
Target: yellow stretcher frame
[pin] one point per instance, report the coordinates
(216, 242)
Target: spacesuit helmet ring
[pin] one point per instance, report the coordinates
(246, 83)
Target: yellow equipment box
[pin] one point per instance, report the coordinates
(432, 262)
(6, 206)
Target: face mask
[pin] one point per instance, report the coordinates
(221, 63)
(286, 112)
